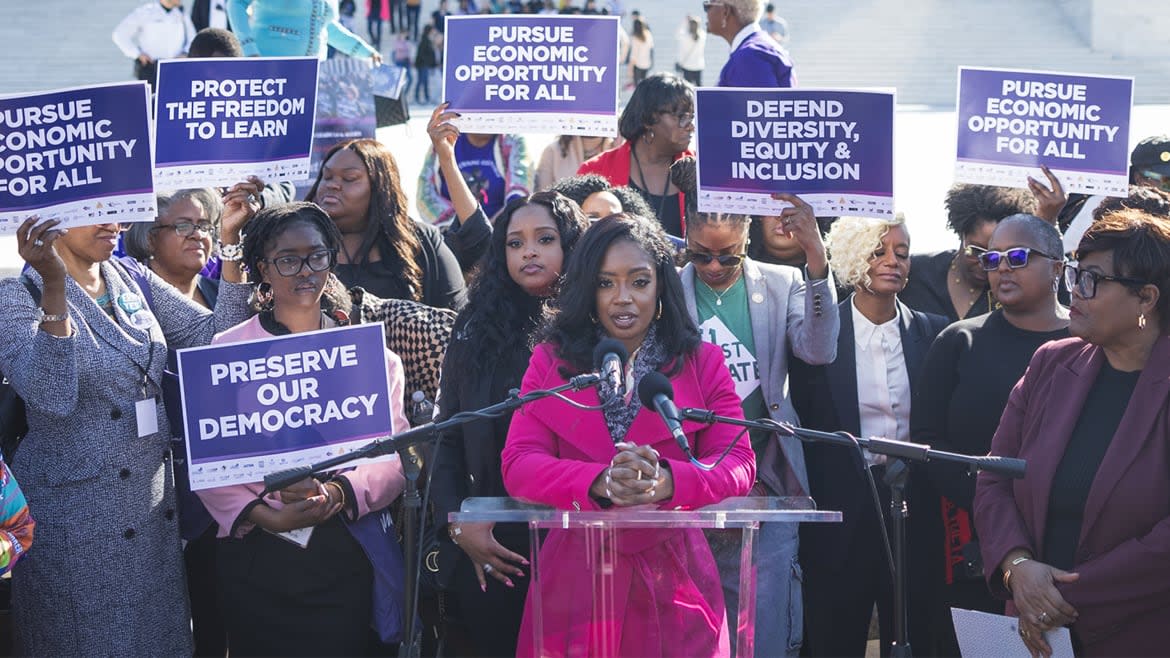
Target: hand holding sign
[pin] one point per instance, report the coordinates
(35, 243)
(240, 203)
(1049, 202)
(800, 224)
(442, 132)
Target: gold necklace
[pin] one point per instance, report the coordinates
(959, 279)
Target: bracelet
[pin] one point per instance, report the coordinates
(229, 252)
(340, 491)
(45, 317)
(1007, 574)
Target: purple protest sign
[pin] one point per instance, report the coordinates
(254, 407)
(833, 149)
(219, 121)
(1011, 122)
(78, 155)
(534, 74)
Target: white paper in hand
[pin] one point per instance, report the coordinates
(984, 635)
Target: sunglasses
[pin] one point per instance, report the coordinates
(1162, 180)
(1016, 257)
(726, 260)
(1084, 282)
(708, 5)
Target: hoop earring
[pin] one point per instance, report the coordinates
(1141, 321)
(593, 318)
(1056, 285)
(264, 294)
(658, 315)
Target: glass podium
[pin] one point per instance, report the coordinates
(601, 527)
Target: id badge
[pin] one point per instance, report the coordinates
(147, 415)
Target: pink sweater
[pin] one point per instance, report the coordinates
(374, 485)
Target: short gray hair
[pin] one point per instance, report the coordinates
(137, 239)
(748, 11)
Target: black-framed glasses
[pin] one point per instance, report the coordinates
(1016, 258)
(185, 229)
(318, 261)
(725, 260)
(1084, 282)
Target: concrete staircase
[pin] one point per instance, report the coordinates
(917, 46)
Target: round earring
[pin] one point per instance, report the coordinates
(1141, 321)
(1056, 285)
(648, 137)
(658, 315)
(593, 318)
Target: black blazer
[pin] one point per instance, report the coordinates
(825, 398)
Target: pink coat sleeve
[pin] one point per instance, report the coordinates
(693, 486)
(532, 467)
(375, 486)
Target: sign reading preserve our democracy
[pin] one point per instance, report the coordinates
(78, 155)
(833, 149)
(549, 74)
(1011, 122)
(255, 407)
(219, 121)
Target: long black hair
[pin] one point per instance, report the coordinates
(501, 318)
(262, 231)
(389, 226)
(571, 324)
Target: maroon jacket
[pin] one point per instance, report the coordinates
(1123, 555)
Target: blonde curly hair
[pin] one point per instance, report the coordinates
(851, 244)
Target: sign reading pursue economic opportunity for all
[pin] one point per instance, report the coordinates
(534, 74)
(78, 155)
(255, 407)
(833, 149)
(1011, 122)
(219, 121)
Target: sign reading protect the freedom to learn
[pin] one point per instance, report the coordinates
(535, 74)
(78, 155)
(1011, 122)
(833, 149)
(255, 407)
(219, 121)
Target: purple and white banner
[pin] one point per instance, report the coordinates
(1011, 122)
(533, 74)
(255, 407)
(218, 121)
(79, 155)
(834, 149)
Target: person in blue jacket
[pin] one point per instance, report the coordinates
(756, 59)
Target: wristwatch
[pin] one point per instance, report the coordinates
(43, 317)
(229, 252)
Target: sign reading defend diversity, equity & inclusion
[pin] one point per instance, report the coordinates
(533, 74)
(219, 121)
(79, 155)
(255, 407)
(1011, 122)
(833, 149)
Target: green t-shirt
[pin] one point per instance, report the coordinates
(725, 320)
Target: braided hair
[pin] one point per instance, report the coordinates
(262, 231)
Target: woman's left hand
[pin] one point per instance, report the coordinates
(1034, 640)
(800, 224)
(240, 203)
(1049, 202)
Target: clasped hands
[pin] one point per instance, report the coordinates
(304, 504)
(635, 476)
(1041, 606)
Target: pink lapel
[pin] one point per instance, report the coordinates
(1134, 430)
(1043, 450)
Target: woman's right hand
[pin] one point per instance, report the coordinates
(477, 540)
(1040, 604)
(35, 244)
(442, 132)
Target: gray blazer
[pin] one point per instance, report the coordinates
(105, 572)
(786, 313)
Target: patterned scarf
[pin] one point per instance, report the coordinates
(620, 411)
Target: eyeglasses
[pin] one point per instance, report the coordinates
(1084, 282)
(1017, 257)
(684, 119)
(185, 229)
(318, 261)
(726, 260)
(974, 250)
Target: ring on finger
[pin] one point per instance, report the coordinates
(38, 242)
(1043, 619)
(487, 568)
(1024, 633)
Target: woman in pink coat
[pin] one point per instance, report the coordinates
(621, 283)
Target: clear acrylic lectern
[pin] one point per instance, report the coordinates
(601, 526)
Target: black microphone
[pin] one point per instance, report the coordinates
(657, 394)
(609, 360)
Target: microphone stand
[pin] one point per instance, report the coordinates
(897, 474)
(400, 443)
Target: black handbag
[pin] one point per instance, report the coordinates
(13, 416)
